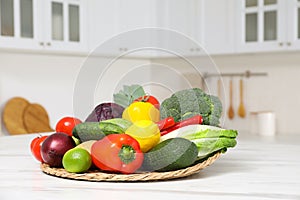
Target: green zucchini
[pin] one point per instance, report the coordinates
(88, 131)
(171, 154)
(97, 130)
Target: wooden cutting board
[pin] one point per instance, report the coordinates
(36, 119)
(13, 115)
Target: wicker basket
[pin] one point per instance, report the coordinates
(147, 176)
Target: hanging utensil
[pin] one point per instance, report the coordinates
(230, 110)
(241, 110)
(219, 88)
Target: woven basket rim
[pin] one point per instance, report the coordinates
(144, 176)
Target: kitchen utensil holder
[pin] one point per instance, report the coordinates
(246, 74)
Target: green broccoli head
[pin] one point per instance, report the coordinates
(187, 103)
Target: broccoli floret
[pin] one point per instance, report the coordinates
(213, 120)
(187, 103)
(170, 107)
(216, 106)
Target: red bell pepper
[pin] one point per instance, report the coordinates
(117, 153)
(166, 123)
(197, 119)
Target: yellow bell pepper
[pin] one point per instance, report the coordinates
(141, 111)
(146, 132)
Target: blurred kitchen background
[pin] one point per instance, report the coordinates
(44, 44)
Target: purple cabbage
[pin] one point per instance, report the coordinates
(105, 111)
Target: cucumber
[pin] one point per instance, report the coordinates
(88, 131)
(171, 154)
(97, 130)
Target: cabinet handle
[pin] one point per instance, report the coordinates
(48, 44)
(281, 44)
(197, 49)
(191, 49)
(42, 43)
(289, 43)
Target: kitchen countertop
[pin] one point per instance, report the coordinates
(257, 168)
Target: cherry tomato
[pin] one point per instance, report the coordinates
(66, 125)
(35, 147)
(33, 142)
(150, 99)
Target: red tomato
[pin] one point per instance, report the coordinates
(33, 142)
(150, 99)
(66, 125)
(35, 147)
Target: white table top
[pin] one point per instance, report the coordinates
(255, 169)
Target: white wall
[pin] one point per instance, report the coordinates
(47, 80)
(50, 80)
(277, 92)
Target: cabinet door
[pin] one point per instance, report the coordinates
(103, 26)
(261, 25)
(293, 21)
(183, 17)
(19, 24)
(136, 14)
(219, 26)
(65, 23)
(111, 18)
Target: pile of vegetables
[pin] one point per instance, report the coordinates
(135, 133)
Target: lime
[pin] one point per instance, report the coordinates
(146, 132)
(77, 160)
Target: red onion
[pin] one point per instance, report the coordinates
(54, 148)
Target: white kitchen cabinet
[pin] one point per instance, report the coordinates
(103, 17)
(65, 25)
(185, 18)
(119, 16)
(293, 23)
(19, 24)
(112, 18)
(52, 25)
(209, 24)
(267, 25)
(218, 26)
(137, 14)
(179, 16)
